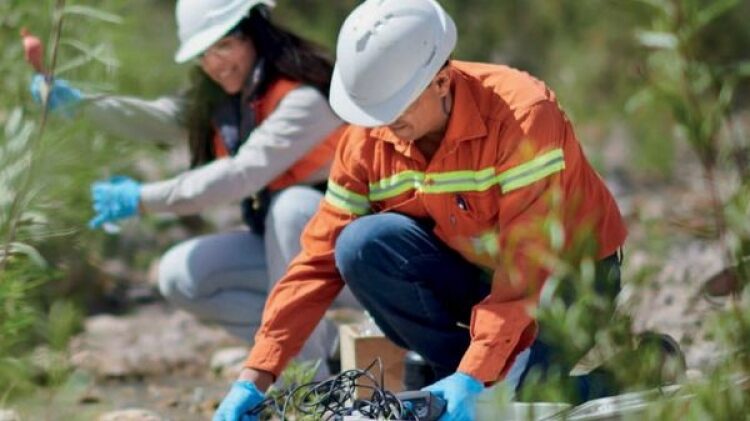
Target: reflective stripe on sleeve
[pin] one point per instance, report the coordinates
(532, 171)
(347, 200)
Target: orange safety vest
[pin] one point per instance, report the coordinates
(317, 158)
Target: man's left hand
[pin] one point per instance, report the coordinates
(460, 392)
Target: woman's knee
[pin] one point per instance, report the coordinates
(173, 279)
(293, 207)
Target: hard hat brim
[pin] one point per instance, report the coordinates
(200, 42)
(371, 115)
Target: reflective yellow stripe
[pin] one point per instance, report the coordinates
(532, 171)
(459, 181)
(395, 185)
(466, 180)
(432, 183)
(347, 200)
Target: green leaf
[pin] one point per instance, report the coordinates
(89, 53)
(642, 98)
(28, 251)
(714, 11)
(658, 40)
(93, 13)
(663, 6)
(13, 124)
(62, 322)
(743, 68)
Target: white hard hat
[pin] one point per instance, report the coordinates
(388, 51)
(200, 23)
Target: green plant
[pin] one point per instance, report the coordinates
(698, 84)
(296, 374)
(35, 324)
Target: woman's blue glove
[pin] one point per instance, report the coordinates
(116, 198)
(460, 392)
(242, 397)
(61, 94)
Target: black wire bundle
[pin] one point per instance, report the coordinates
(334, 398)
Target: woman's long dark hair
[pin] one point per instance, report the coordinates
(284, 54)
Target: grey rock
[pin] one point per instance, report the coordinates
(228, 361)
(153, 341)
(9, 415)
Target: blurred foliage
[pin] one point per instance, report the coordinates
(700, 89)
(46, 257)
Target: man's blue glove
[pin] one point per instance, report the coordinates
(116, 198)
(242, 397)
(61, 94)
(460, 392)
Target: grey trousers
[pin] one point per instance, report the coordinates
(225, 278)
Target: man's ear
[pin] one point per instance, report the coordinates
(443, 81)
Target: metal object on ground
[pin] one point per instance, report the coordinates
(616, 407)
(524, 411)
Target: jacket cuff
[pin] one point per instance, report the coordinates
(154, 196)
(490, 363)
(266, 355)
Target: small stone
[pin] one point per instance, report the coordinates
(9, 415)
(167, 397)
(668, 300)
(228, 361)
(209, 406)
(131, 415)
(90, 396)
(199, 394)
(694, 375)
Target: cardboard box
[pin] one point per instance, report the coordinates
(361, 346)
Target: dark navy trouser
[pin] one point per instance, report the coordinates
(415, 287)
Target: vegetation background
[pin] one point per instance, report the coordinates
(657, 89)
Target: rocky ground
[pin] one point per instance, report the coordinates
(157, 363)
(153, 364)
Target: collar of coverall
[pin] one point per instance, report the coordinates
(464, 123)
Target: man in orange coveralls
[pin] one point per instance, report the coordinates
(439, 209)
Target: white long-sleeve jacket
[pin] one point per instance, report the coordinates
(300, 122)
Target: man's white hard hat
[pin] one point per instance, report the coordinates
(200, 23)
(388, 51)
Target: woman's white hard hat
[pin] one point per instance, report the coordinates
(200, 23)
(388, 51)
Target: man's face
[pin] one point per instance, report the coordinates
(427, 114)
(229, 62)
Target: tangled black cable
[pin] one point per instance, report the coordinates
(334, 398)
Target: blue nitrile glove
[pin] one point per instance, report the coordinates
(116, 198)
(460, 392)
(61, 95)
(242, 397)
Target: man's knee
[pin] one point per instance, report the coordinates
(365, 243)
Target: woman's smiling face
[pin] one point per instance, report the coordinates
(229, 62)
